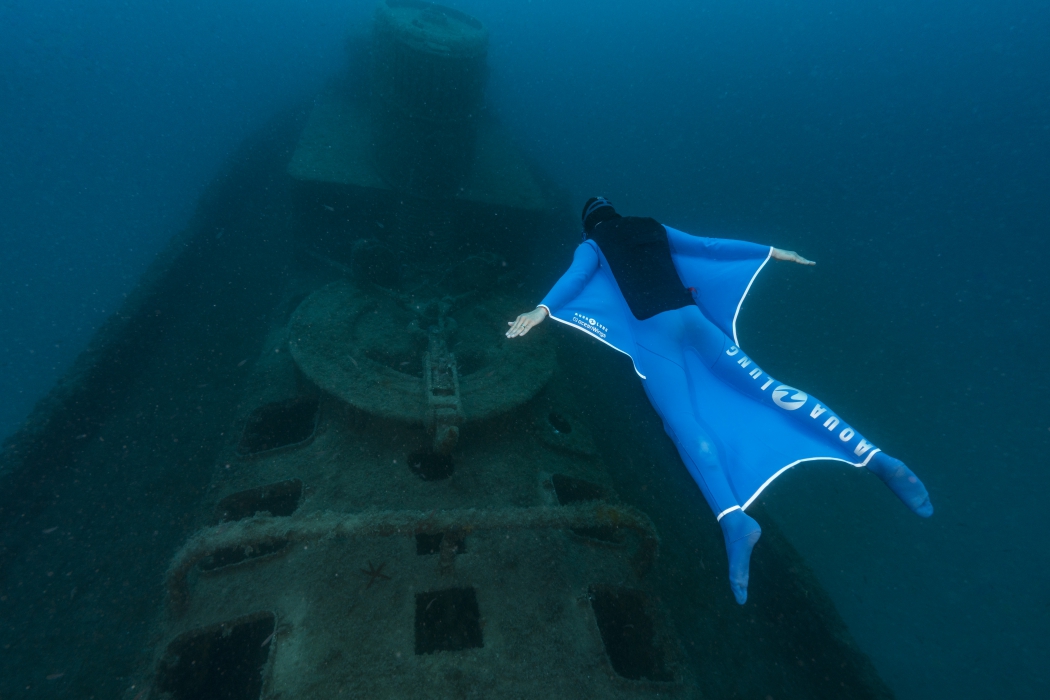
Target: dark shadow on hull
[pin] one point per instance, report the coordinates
(77, 463)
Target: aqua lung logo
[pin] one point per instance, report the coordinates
(791, 399)
(591, 325)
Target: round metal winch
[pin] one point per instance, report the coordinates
(417, 362)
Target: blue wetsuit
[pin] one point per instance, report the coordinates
(735, 427)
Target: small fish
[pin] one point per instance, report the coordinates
(380, 225)
(328, 207)
(267, 640)
(241, 363)
(50, 530)
(55, 676)
(355, 363)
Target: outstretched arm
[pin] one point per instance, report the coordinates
(584, 264)
(790, 256)
(727, 249)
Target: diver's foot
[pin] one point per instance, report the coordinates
(741, 533)
(903, 482)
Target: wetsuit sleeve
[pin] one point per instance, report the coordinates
(718, 272)
(584, 265)
(714, 248)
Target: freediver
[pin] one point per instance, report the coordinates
(670, 301)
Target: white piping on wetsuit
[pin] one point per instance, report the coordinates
(808, 459)
(741, 302)
(718, 518)
(800, 461)
(583, 330)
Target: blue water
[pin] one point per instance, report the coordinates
(902, 145)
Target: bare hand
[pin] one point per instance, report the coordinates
(524, 323)
(790, 256)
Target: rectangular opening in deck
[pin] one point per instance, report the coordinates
(228, 556)
(279, 499)
(628, 633)
(279, 424)
(569, 490)
(447, 620)
(220, 661)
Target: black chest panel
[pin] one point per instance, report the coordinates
(640, 258)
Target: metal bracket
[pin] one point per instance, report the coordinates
(444, 410)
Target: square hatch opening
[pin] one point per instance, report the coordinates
(431, 466)
(447, 621)
(221, 661)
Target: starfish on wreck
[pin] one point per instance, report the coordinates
(374, 573)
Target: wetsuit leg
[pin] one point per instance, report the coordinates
(667, 386)
(903, 482)
(678, 341)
